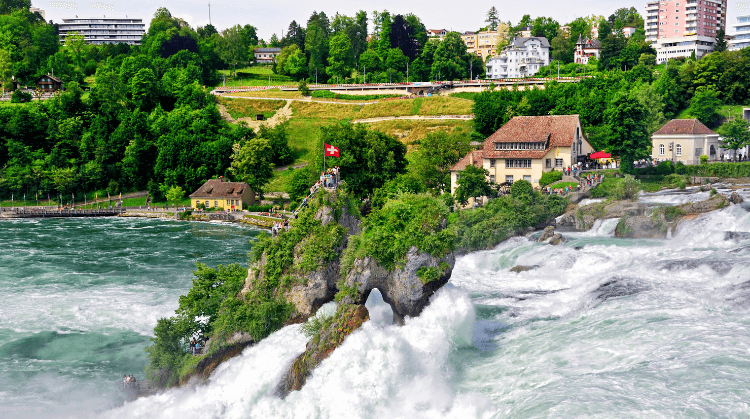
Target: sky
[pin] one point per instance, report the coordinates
(274, 16)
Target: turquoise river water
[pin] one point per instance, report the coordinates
(601, 328)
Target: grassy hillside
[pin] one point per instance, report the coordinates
(242, 108)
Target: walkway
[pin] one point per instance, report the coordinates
(413, 118)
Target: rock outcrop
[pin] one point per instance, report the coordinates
(736, 198)
(547, 234)
(557, 239)
(522, 268)
(406, 288)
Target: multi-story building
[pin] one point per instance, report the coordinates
(585, 49)
(679, 28)
(523, 57)
(266, 55)
(741, 34)
(37, 10)
(104, 30)
(484, 44)
(527, 147)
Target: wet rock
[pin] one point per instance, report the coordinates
(522, 268)
(557, 239)
(718, 201)
(347, 319)
(642, 227)
(401, 288)
(548, 232)
(583, 218)
(736, 198)
(736, 236)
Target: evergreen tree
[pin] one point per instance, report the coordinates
(721, 42)
(492, 19)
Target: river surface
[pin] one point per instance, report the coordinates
(79, 299)
(602, 328)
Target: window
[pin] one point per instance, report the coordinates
(678, 149)
(527, 178)
(216, 204)
(207, 204)
(509, 178)
(558, 162)
(548, 163)
(492, 178)
(492, 162)
(661, 149)
(519, 163)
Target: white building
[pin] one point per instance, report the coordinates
(523, 57)
(585, 49)
(741, 34)
(104, 30)
(266, 55)
(685, 46)
(685, 140)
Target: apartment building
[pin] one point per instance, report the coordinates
(741, 34)
(523, 57)
(104, 30)
(484, 44)
(679, 28)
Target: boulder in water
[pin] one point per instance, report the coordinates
(736, 198)
(522, 268)
(548, 232)
(557, 239)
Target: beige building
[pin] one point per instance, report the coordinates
(685, 140)
(526, 147)
(216, 193)
(485, 44)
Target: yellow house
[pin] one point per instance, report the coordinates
(216, 193)
(526, 147)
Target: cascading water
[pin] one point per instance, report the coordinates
(600, 327)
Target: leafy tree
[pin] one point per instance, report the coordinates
(546, 27)
(438, 152)
(341, 56)
(735, 134)
(368, 159)
(175, 194)
(231, 47)
(422, 66)
(8, 6)
(143, 89)
(296, 63)
(651, 100)
(704, 104)
(6, 70)
(450, 59)
(472, 182)
(316, 47)
(562, 47)
(627, 135)
(370, 60)
(612, 46)
(492, 19)
(278, 140)
(253, 163)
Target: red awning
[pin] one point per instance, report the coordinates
(600, 155)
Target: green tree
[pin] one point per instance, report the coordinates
(6, 70)
(368, 159)
(231, 47)
(340, 56)
(143, 89)
(175, 194)
(651, 100)
(296, 63)
(437, 153)
(704, 104)
(75, 43)
(562, 47)
(253, 163)
(627, 133)
(492, 19)
(721, 42)
(735, 134)
(472, 183)
(450, 61)
(8, 6)
(316, 47)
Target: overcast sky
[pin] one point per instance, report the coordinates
(274, 16)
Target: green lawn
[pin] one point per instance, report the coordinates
(724, 111)
(254, 76)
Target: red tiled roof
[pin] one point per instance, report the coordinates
(684, 126)
(215, 188)
(559, 129)
(461, 165)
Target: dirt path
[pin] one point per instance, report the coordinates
(413, 117)
(280, 116)
(303, 100)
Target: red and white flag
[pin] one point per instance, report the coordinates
(331, 151)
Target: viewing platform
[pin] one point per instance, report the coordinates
(6, 213)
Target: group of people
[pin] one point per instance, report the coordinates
(560, 191)
(592, 179)
(572, 171)
(196, 345)
(128, 379)
(329, 178)
(736, 159)
(279, 225)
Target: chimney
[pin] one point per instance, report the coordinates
(471, 158)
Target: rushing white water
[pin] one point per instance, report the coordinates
(602, 327)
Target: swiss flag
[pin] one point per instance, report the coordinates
(331, 151)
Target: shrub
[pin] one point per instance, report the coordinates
(550, 177)
(673, 212)
(665, 168)
(20, 97)
(522, 190)
(631, 188)
(303, 89)
(704, 159)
